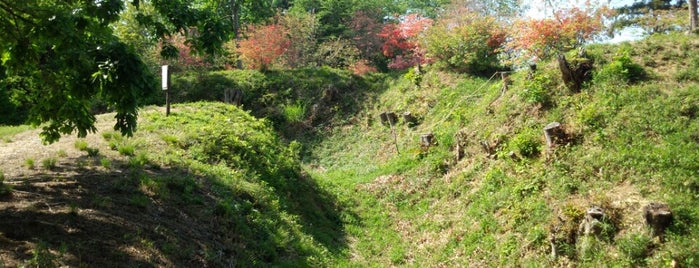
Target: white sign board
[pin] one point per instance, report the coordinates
(165, 77)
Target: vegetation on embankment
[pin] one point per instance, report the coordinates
(630, 140)
(209, 186)
(337, 187)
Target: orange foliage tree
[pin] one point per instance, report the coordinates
(536, 39)
(264, 46)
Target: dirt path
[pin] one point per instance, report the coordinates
(77, 213)
(28, 145)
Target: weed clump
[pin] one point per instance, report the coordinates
(4, 188)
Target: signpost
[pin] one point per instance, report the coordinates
(166, 86)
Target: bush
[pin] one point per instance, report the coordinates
(466, 42)
(337, 53)
(536, 90)
(621, 69)
(527, 143)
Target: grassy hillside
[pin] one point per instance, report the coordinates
(322, 182)
(208, 186)
(631, 139)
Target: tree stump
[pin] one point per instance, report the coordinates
(330, 95)
(576, 73)
(553, 134)
(427, 140)
(388, 118)
(658, 216)
(591, 224)
(409, 119)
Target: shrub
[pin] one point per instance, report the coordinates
(401, 41)
(337, 53)
(621, 69)
(527, 143)
(466, 41)
(264, 46)
(536, 90)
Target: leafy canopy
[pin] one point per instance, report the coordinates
(63, 54)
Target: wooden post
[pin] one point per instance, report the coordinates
(166, 87)
(505, 76)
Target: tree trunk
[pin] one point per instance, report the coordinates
(693, 16)
(236, 32)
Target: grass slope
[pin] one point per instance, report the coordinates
(632, 140)
(211, 185)
(208, 186)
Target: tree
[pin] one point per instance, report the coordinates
(535, 39)
(693, 16)
(366, 26)
(62, 54)
(235, 14)
(401, 43)
(654, 16)
(466, 41)
(302, 31)
(265, 45)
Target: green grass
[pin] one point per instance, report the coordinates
(49, 163)
(631, 137)
(5, 189)
(340, 195)
(294, 112)
(81, 145)
(6, 132)
(29, 163)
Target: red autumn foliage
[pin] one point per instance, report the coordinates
(186, 59)
(401, 42)
(264, 45)
(567, 29)
(366, 27)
